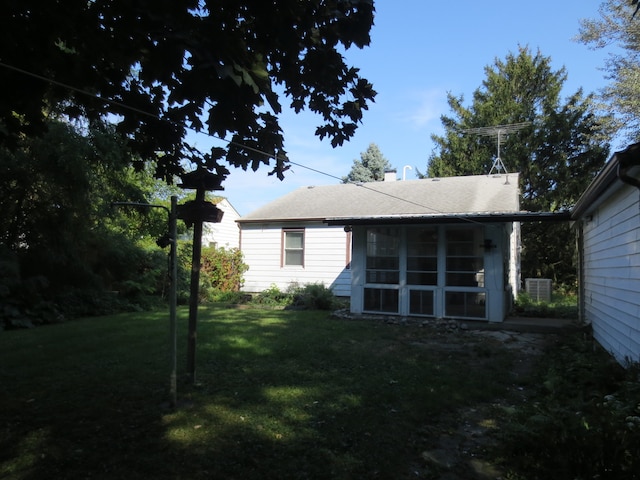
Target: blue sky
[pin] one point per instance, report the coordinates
(421, 50)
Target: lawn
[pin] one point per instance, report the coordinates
(278, 395)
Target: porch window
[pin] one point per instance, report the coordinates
(383, 256)
(381, 293)
(421, 302)
(381, 300)
(422, 256)
(465, 304)
(465, 258)
(292, 248)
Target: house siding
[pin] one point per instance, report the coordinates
(611, 237)
(226, 233)
(325, 257)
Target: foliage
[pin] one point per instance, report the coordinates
(273, 297)
(560, 306)
(312, 296)
(164, 67)
(557, 154)
(221, 270)
(370, 168)
(618, 26)
(61, 234)
(582, 423)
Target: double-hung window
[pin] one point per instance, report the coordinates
(292, 247)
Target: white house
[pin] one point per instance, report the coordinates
(441, 247)
(226, 233)
(607, 218)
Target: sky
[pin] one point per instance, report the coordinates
(421, 50)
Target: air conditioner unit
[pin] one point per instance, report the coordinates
(539, 289)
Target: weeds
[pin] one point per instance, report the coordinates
(583, 422)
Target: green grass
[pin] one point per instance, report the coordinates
(279, 395)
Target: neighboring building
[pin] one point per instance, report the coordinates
(607, 218)
(226, 233)
(442, 247)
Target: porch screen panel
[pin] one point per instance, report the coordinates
(381, 300)
(465, 258)
(382, 270)
(383, 256)
(421, 302)
(422, 256)
(465, 304)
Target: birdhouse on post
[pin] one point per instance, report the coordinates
(195, 212)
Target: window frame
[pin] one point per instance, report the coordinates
(284, 249)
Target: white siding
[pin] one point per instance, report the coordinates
(612, 274)
(226, 233)
(325, 257)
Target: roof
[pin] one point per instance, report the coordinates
(620, 169)
(437, 198)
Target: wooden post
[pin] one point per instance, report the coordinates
(194, 292)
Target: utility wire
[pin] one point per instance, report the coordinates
(228, 142)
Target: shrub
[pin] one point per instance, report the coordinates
(222, 270)
(273, 296)
(560, 306)
(314, 296)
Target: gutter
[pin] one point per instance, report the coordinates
(617, 168)
(626, 163)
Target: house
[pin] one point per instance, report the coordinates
(225, 234)
(440, 247)
(607, 219)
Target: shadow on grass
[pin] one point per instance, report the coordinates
(279, 394)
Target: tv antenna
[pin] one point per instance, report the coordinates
(498, 131)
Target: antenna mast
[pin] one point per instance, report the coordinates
(499, 131)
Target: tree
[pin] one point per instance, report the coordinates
(370, 167)
(161, 67)
(619, 25)
(557, 155)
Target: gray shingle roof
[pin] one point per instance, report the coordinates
(428, 197)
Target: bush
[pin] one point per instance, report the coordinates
(314, 296)
(560, 306)
(273, 297)
(221, 270)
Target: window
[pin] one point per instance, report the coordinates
(422, 256)
(383, 256)
(465, 258)
(293, 248)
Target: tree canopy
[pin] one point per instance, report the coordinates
(370, 168)
(160, 67)
(558, 151)
(618, 25)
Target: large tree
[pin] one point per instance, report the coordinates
(370, 168)
(619, 26)
(160, 67)
(557, 149)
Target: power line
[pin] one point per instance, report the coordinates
(228, 142)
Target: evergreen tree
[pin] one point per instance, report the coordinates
(557, 154)
(370, 167)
